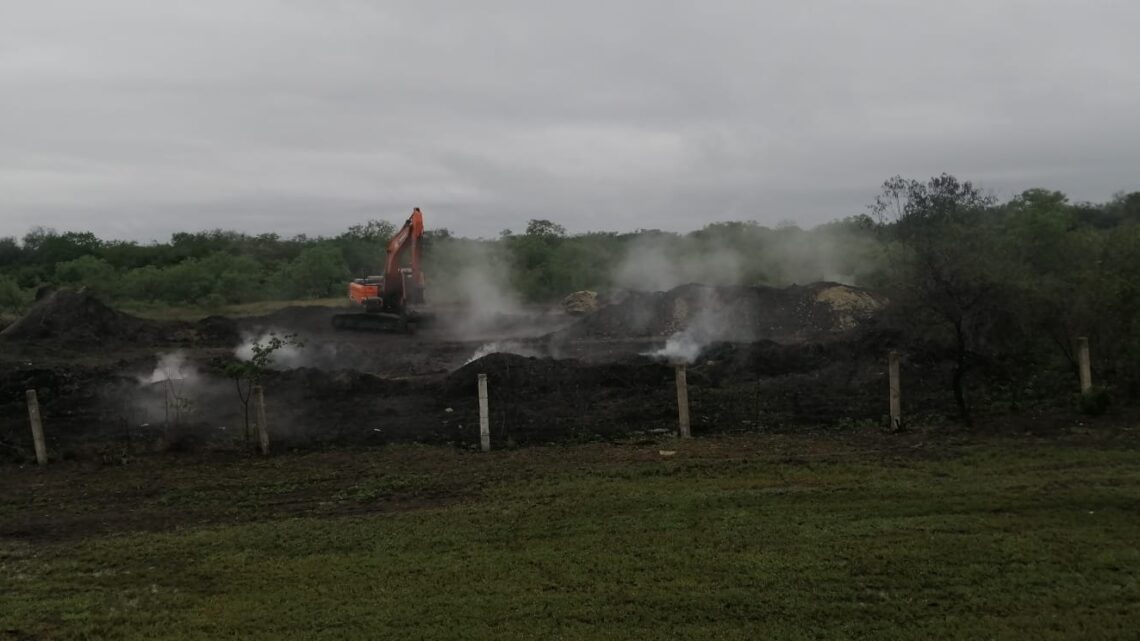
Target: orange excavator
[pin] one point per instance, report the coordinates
(386, 302)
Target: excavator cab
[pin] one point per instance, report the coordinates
(413, 291)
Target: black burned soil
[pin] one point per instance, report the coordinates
(771, 359)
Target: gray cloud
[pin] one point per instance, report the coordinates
(138, 118)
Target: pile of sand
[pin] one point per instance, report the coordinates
(579, 303)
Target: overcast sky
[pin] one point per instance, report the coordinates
(135, 119)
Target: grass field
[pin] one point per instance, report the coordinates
(834, 536)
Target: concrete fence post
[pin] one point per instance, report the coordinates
(262, 422)
(484, 415)
(896, 390)
(682, 402)
(1085, 366)
(37, 427)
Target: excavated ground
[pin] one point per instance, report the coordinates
(770, 358)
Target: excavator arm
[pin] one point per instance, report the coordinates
(404, 285)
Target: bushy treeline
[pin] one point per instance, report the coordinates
(1008, 287)
(206, 268)
(541, 263)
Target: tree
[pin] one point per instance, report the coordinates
(10, 252)
(88, 271)
(235, 279)
(1043, 242)
(378, 231)
(47, 246)
(544, 229)
(12, 298)
(942, 274)
(317, 272)
(912, 206)
(248, 373)
(1125, 207)
(364, 246)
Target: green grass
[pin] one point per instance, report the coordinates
(744, 538)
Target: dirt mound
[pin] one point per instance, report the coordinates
(582, 302)
(75, 317)
(732, 313)
(850, 306)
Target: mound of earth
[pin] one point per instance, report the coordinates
(76, 317)
(732, 313)
(582, 302)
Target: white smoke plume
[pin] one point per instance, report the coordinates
(503, 347)
(485, 292)
(660, 263)
(174, 393)
(473, 285)
(287, 356)
(681, 347)
(746, 254)
(172, 366)
(710, 322)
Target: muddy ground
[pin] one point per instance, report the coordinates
(769, 359)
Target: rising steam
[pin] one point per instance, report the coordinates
(287, 356)
(503, 347)
(662, 263)
(172, 366)
(745, 254)
(710, 321)
(474, 285)
(175, 394)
